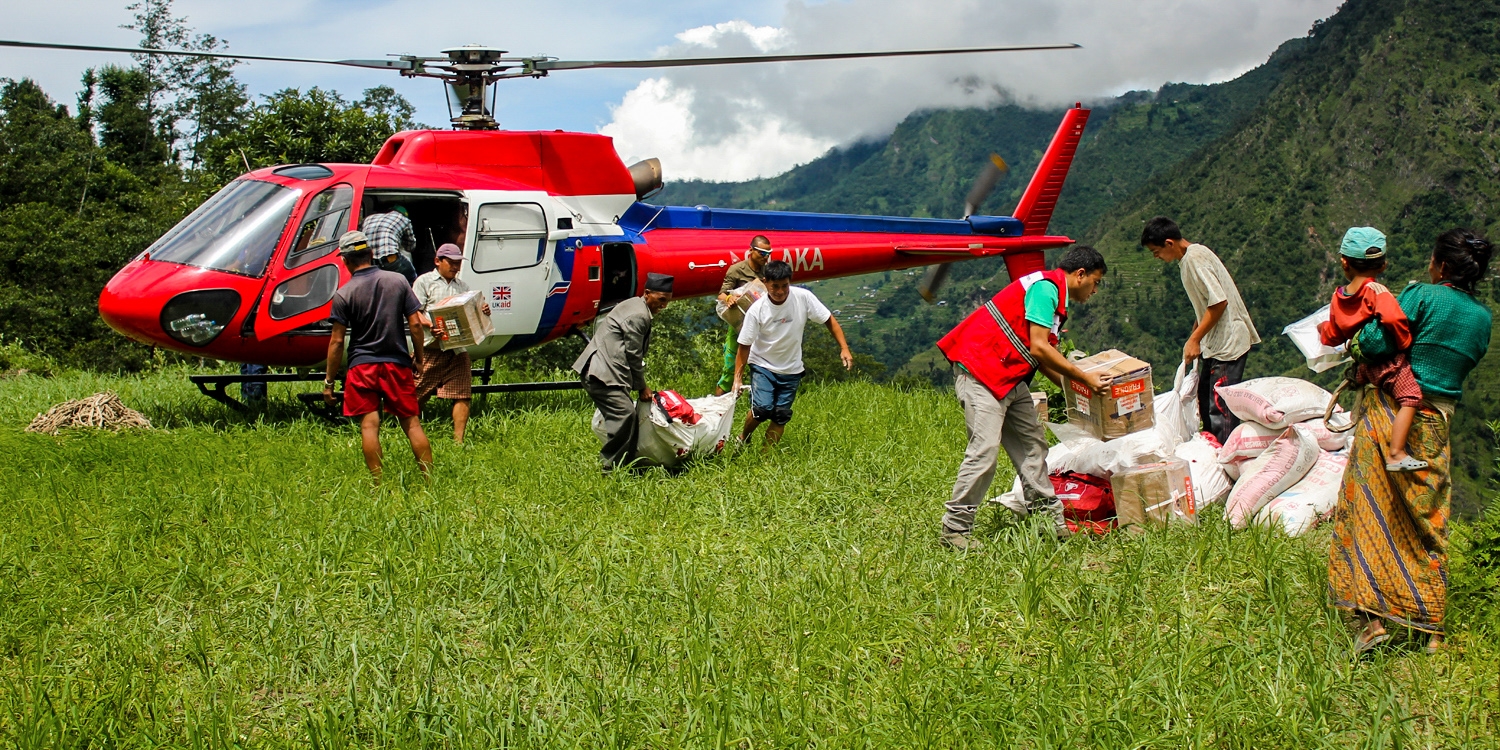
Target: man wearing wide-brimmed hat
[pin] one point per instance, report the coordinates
(614, 364)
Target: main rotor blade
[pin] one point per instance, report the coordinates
(394, 64)
(683, 62)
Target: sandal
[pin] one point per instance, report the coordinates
(1406, 464)
(1366, 642)
(1434, 645)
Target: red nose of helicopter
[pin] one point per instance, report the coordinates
(195, 291)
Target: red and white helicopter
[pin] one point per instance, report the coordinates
(553, 225)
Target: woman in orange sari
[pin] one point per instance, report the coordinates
(1389, 556)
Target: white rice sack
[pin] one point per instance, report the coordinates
(1327, 439)
(1275, 401)
(667, 443)
(1309, 501)
(1210, 485)
(1284, 464)
(1248, 440)
(1233, 468)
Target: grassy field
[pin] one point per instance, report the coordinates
(219, 583)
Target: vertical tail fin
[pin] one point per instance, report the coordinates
(1040, 198)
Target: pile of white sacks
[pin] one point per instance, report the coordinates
(1281, 467)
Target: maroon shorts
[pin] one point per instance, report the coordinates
(366, 386)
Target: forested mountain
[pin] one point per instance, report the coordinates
(1386, 114)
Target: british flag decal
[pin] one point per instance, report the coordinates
(500, 297)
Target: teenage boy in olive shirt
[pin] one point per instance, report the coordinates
(1223, 333)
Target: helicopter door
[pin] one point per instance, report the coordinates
(510, 261)
(618, 282)
(300, 287)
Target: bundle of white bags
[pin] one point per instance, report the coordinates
(1174, 435)
(1281, 467)
(1287, 463)
(669, 442)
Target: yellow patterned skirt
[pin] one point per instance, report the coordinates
(1389, 555)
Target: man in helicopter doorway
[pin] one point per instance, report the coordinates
(614, 364)
(392, 239)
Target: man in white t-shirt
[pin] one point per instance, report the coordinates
(1222, 330)
(771, 343)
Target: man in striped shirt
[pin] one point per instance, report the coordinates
(392, 239)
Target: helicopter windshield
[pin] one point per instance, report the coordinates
(235, 231)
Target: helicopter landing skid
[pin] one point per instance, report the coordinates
(213, 386)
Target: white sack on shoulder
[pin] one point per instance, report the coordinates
(1210, 484)
(1307, 502)
(1284, 464)
(1275, 401)
(1304, 334)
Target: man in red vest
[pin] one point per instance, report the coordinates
(995, 352)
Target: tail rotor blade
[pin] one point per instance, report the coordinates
(932, 281)
(984, 184)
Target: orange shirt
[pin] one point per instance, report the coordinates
(1350, 312)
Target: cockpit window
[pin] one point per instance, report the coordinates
(235, 231)
(325, 220)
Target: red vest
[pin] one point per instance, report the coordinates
(1001, 357)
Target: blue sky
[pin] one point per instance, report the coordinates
(723, 122)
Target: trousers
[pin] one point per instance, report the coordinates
(1217, 418)
(992, 423)
(620, 426)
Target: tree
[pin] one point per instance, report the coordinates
(291, 127)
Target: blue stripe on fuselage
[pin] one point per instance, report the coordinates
(552, 307)
(644, 217)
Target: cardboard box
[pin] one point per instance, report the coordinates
(1124, 406)
(457, 322)
(1039, 400)
(1155, 494)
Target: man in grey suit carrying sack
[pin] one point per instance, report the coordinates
(614, 363)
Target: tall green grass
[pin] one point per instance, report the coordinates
(225, 582)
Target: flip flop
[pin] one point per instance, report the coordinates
(1406, 464)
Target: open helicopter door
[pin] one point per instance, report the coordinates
(305, 274)
(509, 257)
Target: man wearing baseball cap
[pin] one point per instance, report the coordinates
(446, 373)
(369, 310)
(614, 363)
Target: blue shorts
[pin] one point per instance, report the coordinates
(771, 394)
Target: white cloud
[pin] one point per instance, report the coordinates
(657, 118)
(731, 122)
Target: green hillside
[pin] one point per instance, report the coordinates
(226, 582)
(1387, 116)
(927, 165)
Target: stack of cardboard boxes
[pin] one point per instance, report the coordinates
(1156, 493)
